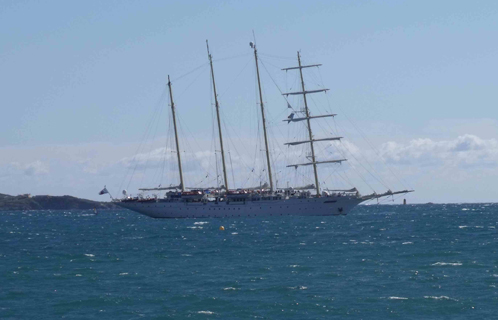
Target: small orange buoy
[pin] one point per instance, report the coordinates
(222, 228)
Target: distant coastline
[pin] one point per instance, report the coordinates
(28, 202)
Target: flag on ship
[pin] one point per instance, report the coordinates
(104, 191)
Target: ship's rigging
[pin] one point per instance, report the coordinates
(267, 172)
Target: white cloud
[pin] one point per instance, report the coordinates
(465, 151)
(153, 158)
(34, 168)
(440, 170)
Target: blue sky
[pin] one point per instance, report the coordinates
(81, 80)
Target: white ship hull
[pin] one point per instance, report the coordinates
(325, 206)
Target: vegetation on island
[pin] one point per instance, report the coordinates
(28, 202)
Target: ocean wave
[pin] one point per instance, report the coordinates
(447, 264)
(397, 298)
(440, 298)
(299, 288)
(205, 312)
(201, 222)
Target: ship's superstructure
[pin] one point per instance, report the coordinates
(265, 200)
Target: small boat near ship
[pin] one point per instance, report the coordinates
(265, 200)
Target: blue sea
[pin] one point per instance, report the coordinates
(378, 262)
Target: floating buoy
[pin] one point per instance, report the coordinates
(222, 228)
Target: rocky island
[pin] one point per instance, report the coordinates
(28, 202)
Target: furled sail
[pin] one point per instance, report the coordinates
(316, 162)
(263, 186)
(291, 117)
(302, 67)
(161, 188)
(342, 190)
(304, 92)
(387, 193)
(314, 140)
(307, 187)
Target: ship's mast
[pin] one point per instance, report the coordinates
(313, 160)
(176, 136)
(218, 117)
(263, 117)
(311, 141)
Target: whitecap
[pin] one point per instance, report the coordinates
(300, 288)
(89, 255)
(78, 275)
(397, 298)
(440, 298)
(123, 274)
(461, 227)
(294, 265)
(408, 242)
(447, 264)
(235, 233)
(230, 288)
(201, 222)
(205, 312)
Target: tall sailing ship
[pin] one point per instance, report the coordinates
(266, 200)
